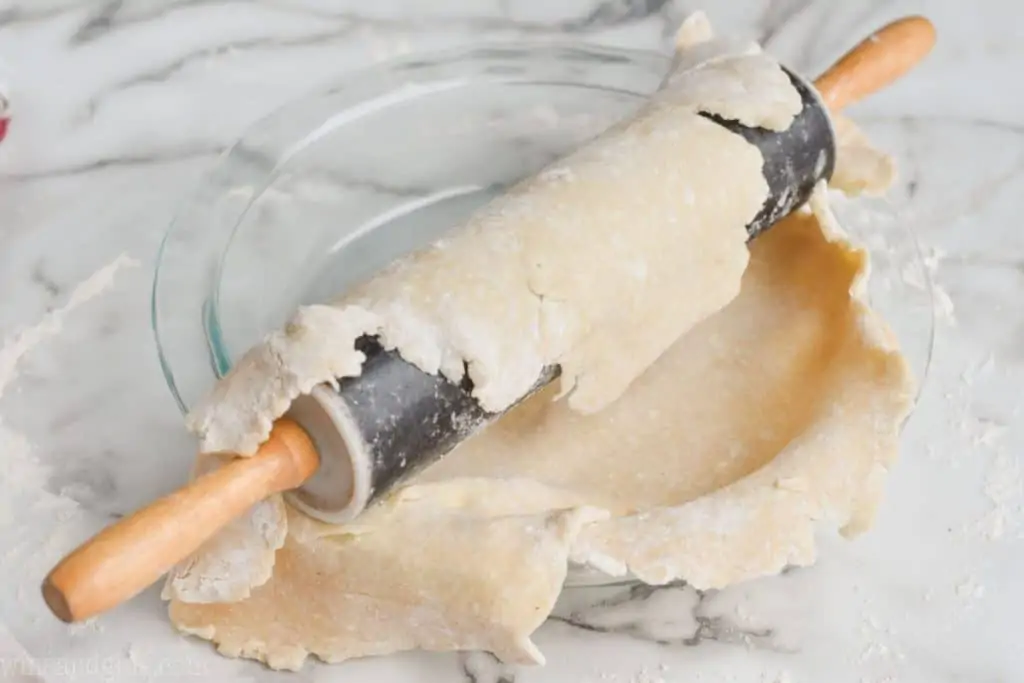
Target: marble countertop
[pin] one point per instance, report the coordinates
(119, 106)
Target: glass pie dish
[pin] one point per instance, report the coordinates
(330, 188)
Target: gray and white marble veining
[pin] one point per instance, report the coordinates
(119, 107)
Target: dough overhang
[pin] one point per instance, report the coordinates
(721, 403)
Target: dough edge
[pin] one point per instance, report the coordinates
(767, 520)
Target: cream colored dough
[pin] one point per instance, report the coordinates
(721, 403)
(553, 271)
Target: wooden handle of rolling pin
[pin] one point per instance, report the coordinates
(127, 557)
(877, 61)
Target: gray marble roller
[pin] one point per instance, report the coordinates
(393, 420)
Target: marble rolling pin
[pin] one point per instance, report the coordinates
(337, 450)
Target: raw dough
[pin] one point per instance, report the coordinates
(704, 437)
(657, 204)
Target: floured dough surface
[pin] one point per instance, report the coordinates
(342, 591)
(722, 403)
(775, 414)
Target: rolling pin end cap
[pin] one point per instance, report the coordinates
(57, 601)
(342, 485)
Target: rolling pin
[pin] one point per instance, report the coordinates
(335, 451)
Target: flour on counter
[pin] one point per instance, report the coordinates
(945, 310)
(21, 472)
(972, 372)
(979, 431)
(970, 589)
(1005, 490)
(19, 469)
(912, 276)
(932, 257)
(880, 655)
(645, 675)
(91, 625)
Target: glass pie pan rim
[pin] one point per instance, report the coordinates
(204, 263)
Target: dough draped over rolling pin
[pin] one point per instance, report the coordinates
(716, 404)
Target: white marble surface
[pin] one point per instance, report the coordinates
(119, 106)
